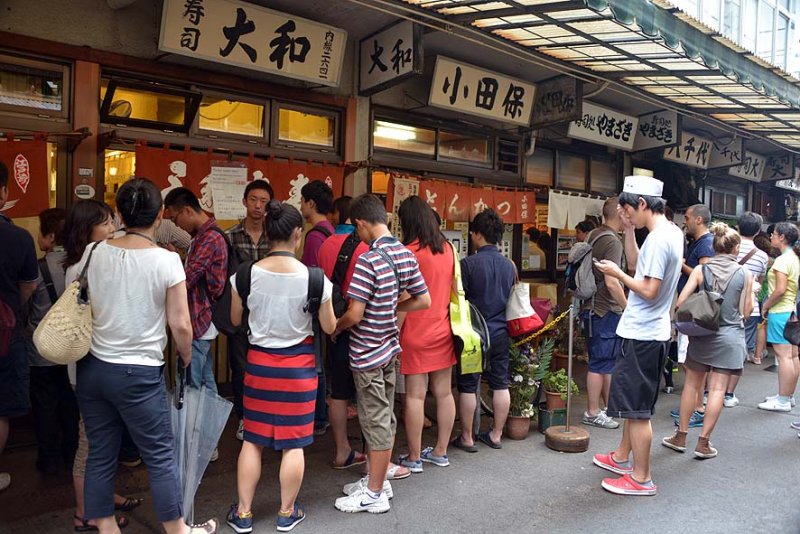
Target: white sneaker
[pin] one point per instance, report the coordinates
(240, 431)
(774, 405)
(362, 501)
(361, 484)
(775, 397)
(214, 455)
(5, 481)
(731, 401)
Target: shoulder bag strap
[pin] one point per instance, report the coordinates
(345, 257)
(457, 270)
(244, 275)
(316, 282)
(388, 260)
(748, 256)
(48, 280)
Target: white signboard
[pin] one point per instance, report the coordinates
(390, 56)
(791, 185)
(253, 37)
(779, 167)
(227, 188)
(693, 150)
(604, 126)
(458, 86)
(726, 155)
(659, 129)
(752, 168)
(403, 188)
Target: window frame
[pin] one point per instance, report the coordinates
(196, 130)
(35, 113)
(191, 102)
(399, 151)
(274, 127)
(490, 150)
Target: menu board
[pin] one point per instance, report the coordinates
(563, 245)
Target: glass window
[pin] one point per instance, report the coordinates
(396, 136)
(571, 171)
(220, 114)
(464, 147)
(766, 20)
(749, 17)
(147, 105)
(780, 41)
(603, 176)
(730, 20)
(717, 202)
(540, 167)
(32, 86)
(306, 127)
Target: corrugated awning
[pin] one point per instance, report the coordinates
(648, 45)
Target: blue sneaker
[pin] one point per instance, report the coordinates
(428, 456)
(695, 421)
(240, 524)
(287, 523)
(676, 413)
(415, 466)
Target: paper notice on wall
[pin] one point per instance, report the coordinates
(227, 187)
(403, 188)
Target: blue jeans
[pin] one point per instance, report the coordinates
(750, 329)
(112, 396)
(202, 370)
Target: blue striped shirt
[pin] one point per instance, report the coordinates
(375, 340)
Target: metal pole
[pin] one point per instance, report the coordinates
(569, 361)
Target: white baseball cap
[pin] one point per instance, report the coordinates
(643, 185)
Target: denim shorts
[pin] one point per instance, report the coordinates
(603, 344)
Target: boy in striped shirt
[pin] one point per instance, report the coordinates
(382, 274)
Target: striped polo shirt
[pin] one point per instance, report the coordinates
(756, 264)
(375, 340)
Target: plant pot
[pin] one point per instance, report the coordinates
(560, 361)
(554, 401)
(518, 427)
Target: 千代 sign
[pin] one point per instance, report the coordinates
(604, 126)
(458, 86)
(389, 57)
(253, 37)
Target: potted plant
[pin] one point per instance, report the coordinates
(527, 368)
(555, 388)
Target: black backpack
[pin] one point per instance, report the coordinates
(343, 260)
(221, 307)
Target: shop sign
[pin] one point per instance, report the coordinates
(790, 185)
(726, 155)
(389, 57)
(604, 126)
(693, 150)
(779, 168)
(558, 99)
(28, 191)
(253, 37)
(458, 86)
(657, 130)
(752, 168)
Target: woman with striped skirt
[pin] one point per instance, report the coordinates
(280, 384)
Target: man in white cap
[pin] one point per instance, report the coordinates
(644, 329)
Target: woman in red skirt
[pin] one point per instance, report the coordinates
(280, 384)
(426, 337)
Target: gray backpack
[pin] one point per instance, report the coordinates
(580, 279)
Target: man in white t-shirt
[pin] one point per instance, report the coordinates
(645, 330)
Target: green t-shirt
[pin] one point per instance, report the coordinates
(788, 264)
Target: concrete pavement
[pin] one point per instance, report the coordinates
(750, 487)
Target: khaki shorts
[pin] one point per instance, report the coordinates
(375, 394)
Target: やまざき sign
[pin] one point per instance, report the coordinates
(389, 56)
(458, 86)
(604, 126)
(253, 37)
(656, 130)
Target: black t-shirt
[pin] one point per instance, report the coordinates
(17, 264)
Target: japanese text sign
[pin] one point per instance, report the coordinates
(253, 37)
(779, 167)
(726, 155)
(557, 100)
(461, 87)
(604, 126)
(28, 185)
(693, 150)
(657, 130)
(752, 168)
(389, 56)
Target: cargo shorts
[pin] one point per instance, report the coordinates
(375, 393)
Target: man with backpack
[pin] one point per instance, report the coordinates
(337, 257)
(601, 315)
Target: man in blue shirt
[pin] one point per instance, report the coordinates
(488, 278)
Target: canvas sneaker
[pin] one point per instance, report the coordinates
(625, 485)
(350, 489)
(240, 430)
(607, 462)
(428, 456)
(241, 524)
(286, 523)
(362, 501)
(676, 442)
(601, 420)
(415, 466)
(774, 405)
(704, 449)
(730, 401)
(792, 401)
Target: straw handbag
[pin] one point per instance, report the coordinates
(65, 334)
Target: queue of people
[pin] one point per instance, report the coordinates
(383, 309)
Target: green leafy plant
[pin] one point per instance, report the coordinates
(556, 382)
(528, 365)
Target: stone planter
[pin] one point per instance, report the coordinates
(518, 427)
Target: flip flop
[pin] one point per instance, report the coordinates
(128, 505)
(397, 472)
(458, 444)
(354, 458)
(122, 522)
(484, 437)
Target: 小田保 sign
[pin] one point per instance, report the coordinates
(604, 126)
(752, 168)
(253, 37)
(389, 57)
(557, 100)
(458, 86)
(657, 130)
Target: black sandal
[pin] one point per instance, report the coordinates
(128, 505)
(122, 522)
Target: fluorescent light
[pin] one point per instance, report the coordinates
(400, 132)
(112, 171)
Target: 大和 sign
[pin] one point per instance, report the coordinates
(557, 100)
(779, 167)
(692, 150)
(752, 168)
(657, 130)
(604, 126)
(253, 37)
(461, 87)
(389, 56)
